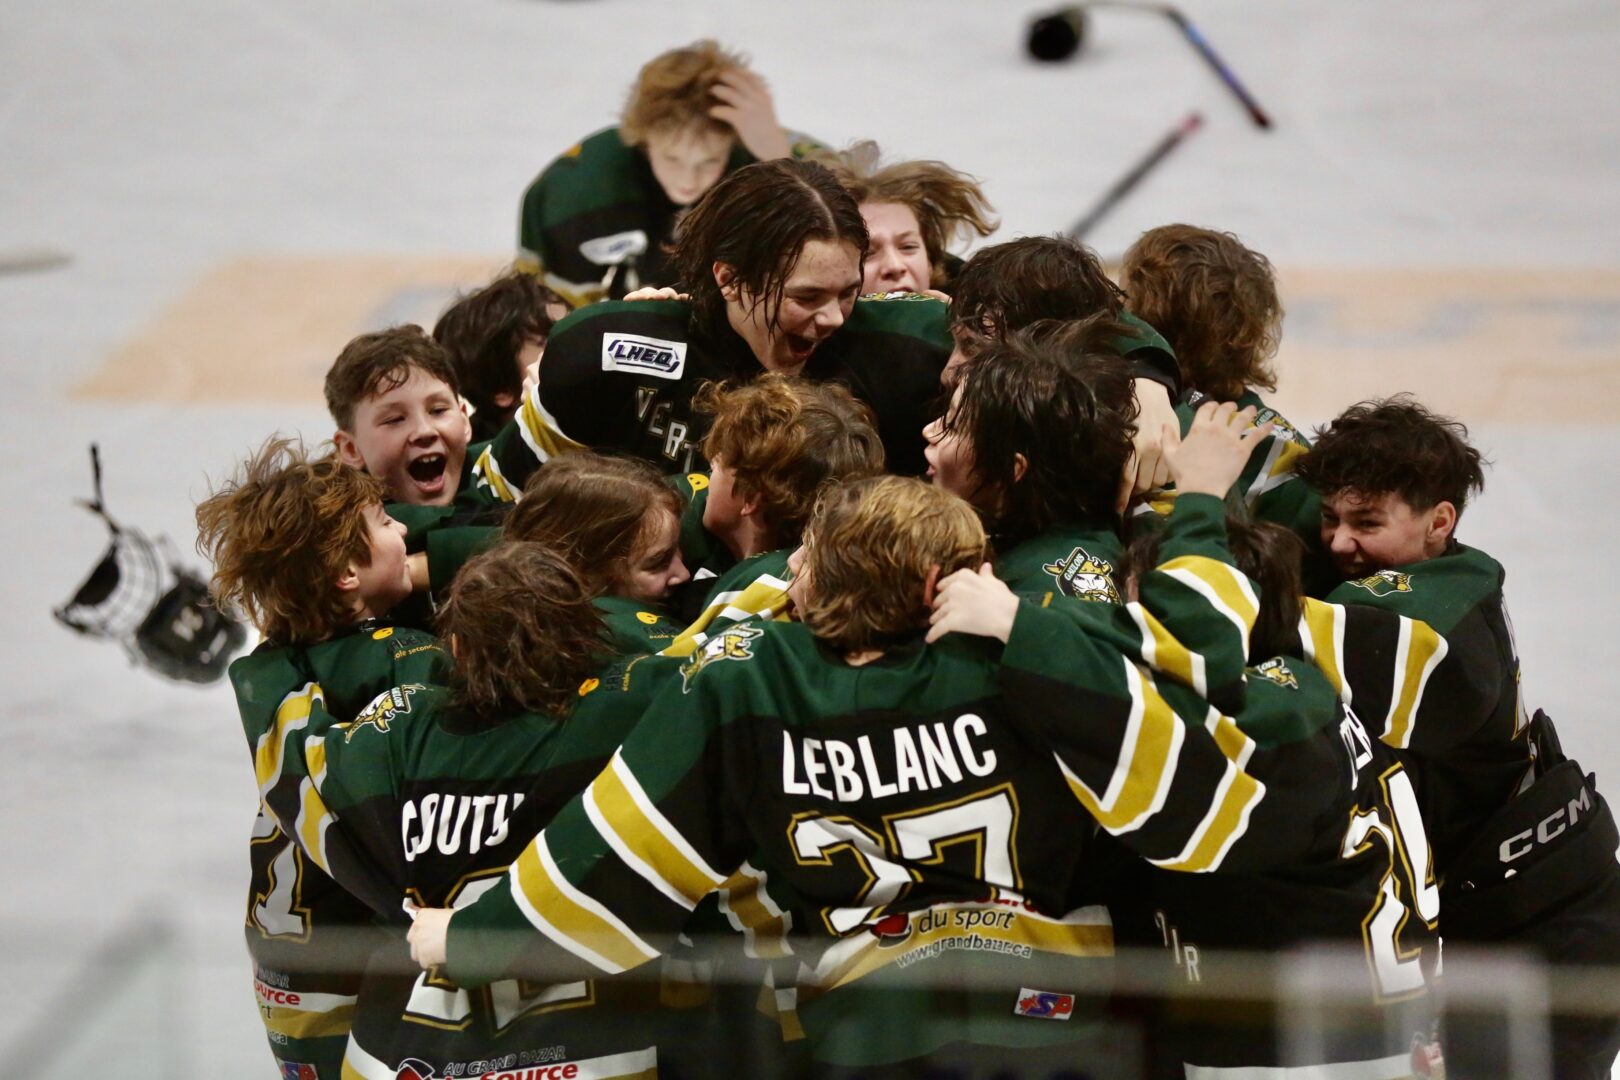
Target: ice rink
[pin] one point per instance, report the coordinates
(244, 186)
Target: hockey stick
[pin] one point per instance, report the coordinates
(1122, 187)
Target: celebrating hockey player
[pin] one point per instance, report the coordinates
(303, 548)
(494, 335)
(1394, 479)
(771, 258)
(914, 211)
(596, 222)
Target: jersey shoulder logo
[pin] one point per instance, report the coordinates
(1385, 582)
(383, 708)
(734, 643)
(639, 355)
(1275, 671)
(1281, 428)
(1083, 576)
(901, 295)
(615, 249)
(697, 481)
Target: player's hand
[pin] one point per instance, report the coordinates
(653, 292)
(428, 936)
(1217, 446)
(745, 103)
(936, 294)
(1157, 429)
(970, 602)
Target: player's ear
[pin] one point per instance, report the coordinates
(751, 505)
(349, 580)
(348, 450)
(1020, 467)
(931, 586)
(725, 276)
(1442, 522)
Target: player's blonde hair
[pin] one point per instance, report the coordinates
(675, 90)
(868, 551)
(281, 534)
(949, 204)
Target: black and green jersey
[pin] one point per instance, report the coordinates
(435, 805)
(1335, 852)
(310, 939)
(599, 207)
(1441, 683)
(621, 376)
(1073, 560)
(755, 588)
(636, 626)
(858, 794)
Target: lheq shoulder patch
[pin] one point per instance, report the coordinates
(613, 250)
(643, 355)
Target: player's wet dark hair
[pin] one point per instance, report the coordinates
(1069, 410)
(484, 331)
(596, 511)
(1006, 287)
(1214, 300)
(524, 634)
(1270, 555)
(373, 364)
(757, 221)
(1394, 446)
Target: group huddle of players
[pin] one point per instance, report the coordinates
(872, 641)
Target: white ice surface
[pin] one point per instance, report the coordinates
(155, 140)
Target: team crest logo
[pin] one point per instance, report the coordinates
(1385, 582)
(1281, 428)
(1275, 671)
(383, 708)
(735, 643)
(1085, 577)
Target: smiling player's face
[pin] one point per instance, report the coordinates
(816, 299)
(413, 437)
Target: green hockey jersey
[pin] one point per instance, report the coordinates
(310, 939)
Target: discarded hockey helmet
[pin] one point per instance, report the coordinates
(159, 611)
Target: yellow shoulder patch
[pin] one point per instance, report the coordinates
(647, 617)
(378, 635)
(588, 685)
(698, 481)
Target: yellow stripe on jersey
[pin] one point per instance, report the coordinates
(304, 1024)
(1226, 589)
(1420, 650)
(540, 429)
(291, 715)
(645, 840)
(487, 471)
(1146, 765)
(1321, 630)
(764, 597)
(313, 819)
(569, 917)
(749, 908)
(1163, 652)
(1235, 799)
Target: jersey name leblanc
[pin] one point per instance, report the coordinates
(920, 757)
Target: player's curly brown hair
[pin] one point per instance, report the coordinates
(523, 631)
(675, 90)
(783, 440)
(594, 510)
(1394, 446)
(373, 364)
(1214, 300)
(868, 551)
(280, 535)
(949, 205)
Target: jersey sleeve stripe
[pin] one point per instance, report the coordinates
(312, 823)
(540, 429)
(1227, 820)
(1163, 652)
(1226, 590)
(487, 470)
(570, 918)
(1321, 630)
(627, 854)
(1146, 763)
(750, 910)
(1421, 649)
(291, 715)
(675, 866)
